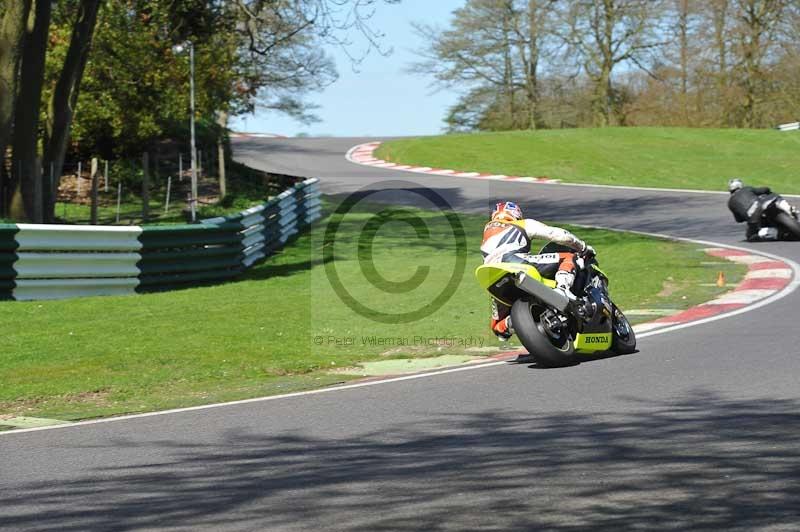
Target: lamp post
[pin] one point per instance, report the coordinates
(179, 49)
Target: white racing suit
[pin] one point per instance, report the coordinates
(511, 242)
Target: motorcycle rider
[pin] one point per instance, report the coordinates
(507, 238)
(746, 205)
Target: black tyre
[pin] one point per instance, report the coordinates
(547, 348)
(623, 339)
(789, 224)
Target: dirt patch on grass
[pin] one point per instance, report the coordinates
(99, 398)
(669, 287)
(411, 350)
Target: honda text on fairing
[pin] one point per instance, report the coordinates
(554, 328)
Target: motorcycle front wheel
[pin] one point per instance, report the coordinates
(547, 347)
(623, 339)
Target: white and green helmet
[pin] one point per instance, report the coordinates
(735, 184)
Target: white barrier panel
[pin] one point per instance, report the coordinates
(289, 217)
(76, 265)
(313, 202)
(255, 248)
(38, 237)
(35, 289)
(253, 239)
(250, 231)
(313, 214)
(254, 254)
(252, 219)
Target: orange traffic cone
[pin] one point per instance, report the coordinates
(721, 280)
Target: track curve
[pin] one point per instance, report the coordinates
(698, 431)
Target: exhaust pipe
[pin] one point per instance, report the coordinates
(547, 295)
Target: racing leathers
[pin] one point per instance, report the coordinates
(747, 205)
(510, 241)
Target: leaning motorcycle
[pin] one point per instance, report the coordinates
(555, 330)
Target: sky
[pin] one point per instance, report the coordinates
(380, 99)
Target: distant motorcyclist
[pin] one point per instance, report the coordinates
(507, 238)
(749, 204)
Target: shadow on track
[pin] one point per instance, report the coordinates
(701, 463)
(646, 212)
(580, 360)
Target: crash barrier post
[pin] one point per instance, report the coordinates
(61, 261)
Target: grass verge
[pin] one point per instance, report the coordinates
(282, 328)
(702, 159)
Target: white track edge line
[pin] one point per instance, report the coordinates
(260, 399)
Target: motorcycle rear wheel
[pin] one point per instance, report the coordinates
(791, 225)
(546, 348)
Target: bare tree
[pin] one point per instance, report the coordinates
(491, 45)
(335, 21)
(602, 34)
(475, 53)
(757, 32)
(682, 27)
(533, 31)
(718, 11)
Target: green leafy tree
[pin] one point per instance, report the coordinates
(108, 82)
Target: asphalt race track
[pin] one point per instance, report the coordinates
(698, 431)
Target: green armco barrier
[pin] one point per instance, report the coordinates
(7, 289)
(189, 229)
(192, 265)
(172, 242)
(8, 232)
(7, 260)
(160, 237)
(155, 283)
(205, 252)
(8, 244)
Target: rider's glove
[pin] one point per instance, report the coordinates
(588, 251)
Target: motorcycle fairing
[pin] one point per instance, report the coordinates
(592, 342)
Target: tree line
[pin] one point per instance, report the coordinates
(528, 64)
(103, 77)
